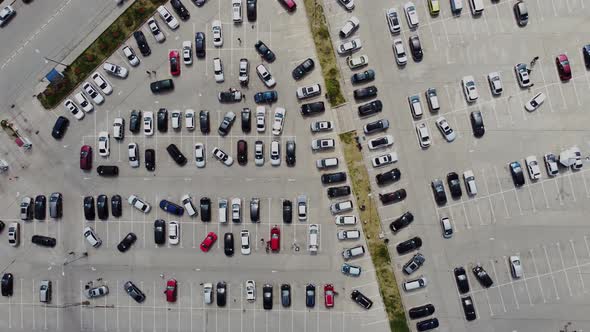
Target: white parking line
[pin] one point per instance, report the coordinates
(545, 196)
(532, 200)
(500, 186)
(538, 276)
(499, 289)
(578, 264)
(551, 272)
(567, 279)
(572, 186)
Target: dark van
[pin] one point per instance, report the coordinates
(162, 86)
(107, 170)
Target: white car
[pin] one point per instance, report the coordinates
(326, 163)
(521, 71)
(260, 119)
(279, 120)
(73, 108)
(380, 142)
(96, 97)
(515, 267)
(208, 293)
(265, 76)
(83, 102)
(236, 10)
(148, 123)
(275, 153)
(187, 52)
(447, 227)
(250, 290)
(423, 135)
(244, 70)
(155, 29)
(217, 33)
(340, 207)
(91, 237)
(357, 61)
(415, 106)
(349, 234)
(469, 180)
(302, 207)
(222, 156)
(102, 83)
(245, 242)
(139, 204)
(551, 164)
(222, 209)
(187, 202)
(305, 92)
(176, 118)
(533, 166)
(445, 129)
(133, 155)
(348, 4)
(115, 70)
(259, 153)
(173, 232)
(401, 58)
(350, 46)
(236, 210)
(411, 15)
(535, 102)
(218, 70)
(322, 144)
(319, 126)
(393, 21)
(469, 88)
(6, 14)
(189, 119)
(345, 220)
(131, 56)
(118, 128)
(351, 25)
(104, 148)
(168, 18)
(13, 234)
(495, 83)
(384, 159)
(200, 155)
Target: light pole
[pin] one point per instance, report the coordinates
(51, 60)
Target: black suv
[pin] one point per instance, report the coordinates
(264, 51)
(421, 311)
(135, 121)
(328, 178)
(303, 69)
(127, 241)
(454, 185)
(242, 152)
(60, 126)
(89, 213)
(364, 93)
(477, 124)
(290, 155)
(267, 296)
(340, 191)
(482, 276)
(142, 43)
(44, 241)
(162, 120)
(401, 222)
(162, 86)
(387, 177)
(204, 121)
(102, 207)
(461, 280)
(408, 245)
(251, 10)
(200, 45)
(40, 207)
(371, 108)
(246, 117)
(7, 284)
(175, 154)
(313, 108)
(287, 211)
(180, 9)
(205, 209)
(150, 159)
(160, 231)
(361, 299)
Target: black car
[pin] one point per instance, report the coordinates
(421, 311)
(162, 120)
(365, 76)
(329, 178)
(246, 117)
(150, 159)
(477, 124)
(160, 231)
(135, 121)
(162, 86)
(267, 296)
(40, 207)
(408, 245)
(60, 126)
(517, 173)
(376, 126)
(251, 10)
(586, 55)
(107, 170)
(180, 9)
(226, 124)
(205, 205)
(393, 197)
(142, 43)
(89, 213)
(44, 241)
(200, 46)
(176, 155)
(2, 225)
(468, 308)
(134, 292)
(371, 108)
(340, 191)
(102, 207)
(290, 156)
(364, 93)
(242, 152)
(303, 69)
(199, 3)
(454, 185)
(255, 210)
(286, 295)
(403, 221)
(428, 324)
(317, 107)
(228, 244)
(221, 293)
(266, 97)
(361, 299)
(438, 190)
(416, 48)
(310, 295)
(127, 241)
(116, 206)
(388, 177)
(264, 51)
(482, 276)
(287, 211)
(7, 284)
(204, 122)
(461, 280)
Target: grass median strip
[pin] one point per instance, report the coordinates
(102, 48)
(359, 177)
(325, 51)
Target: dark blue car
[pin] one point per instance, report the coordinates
(171, 207)
(266, 97)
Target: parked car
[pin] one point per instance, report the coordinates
(115, 70)
(365, 76)
(40, 207)
(438, 190)
(134, 292)
(361, 299)
(534, 103)
(409, 245)
(209, 240)
(387, 177)
(393, 197)
(461, 280)
(264, 51)
(516, 173)
(351, 25)
(127, 241)
(303, 69)
(401, 222)
(469, 88)
(142, 43)
(495, 83)
(482, 276)
(414, 264)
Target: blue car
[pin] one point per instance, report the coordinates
(266, 97)
(171, 207)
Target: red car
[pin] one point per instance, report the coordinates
(290, 5)
(86, 157)
(171, 290)
(174, 58)
(275, 239)
(329, 295)
(563, 67)
(208, 241)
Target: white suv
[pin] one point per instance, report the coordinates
(236, 11)
(168, 18)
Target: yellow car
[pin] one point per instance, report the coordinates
(434, 7)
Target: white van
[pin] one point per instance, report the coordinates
(314, 232)
(476, 7)
(350, 253)
(469, 179)
(351, 234)
(45, 291)
(411, 285)
(326, 163)
(222, 210)
(456, 6)
(340, 207)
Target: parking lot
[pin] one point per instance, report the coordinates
(53, 167)
(542, 222)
